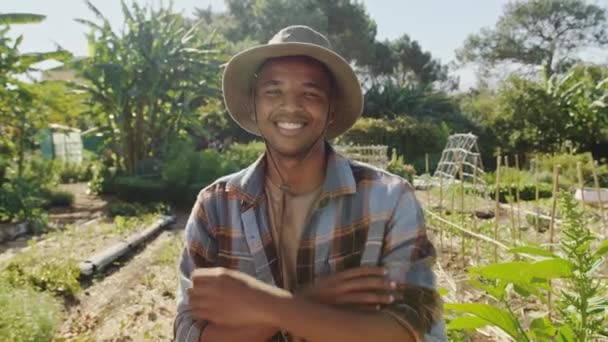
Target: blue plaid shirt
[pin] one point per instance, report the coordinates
(365, 217)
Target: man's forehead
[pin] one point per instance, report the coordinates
(300, 64)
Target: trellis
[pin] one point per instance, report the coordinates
(372, 154)
(461, 150)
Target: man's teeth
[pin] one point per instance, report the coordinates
(290, 125)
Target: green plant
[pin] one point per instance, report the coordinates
(60, 198)
(130, 209)
(53, 274)
(21, 200)
(396, 166)
(102, 179)
(28, 315)
(73, 173)
(239, 156)
(582, 304)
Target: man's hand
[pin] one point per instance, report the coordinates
(362, 286)
(231, 298)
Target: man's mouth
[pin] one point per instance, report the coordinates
(291, 126)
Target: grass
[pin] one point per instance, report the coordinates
(170, 252)
(28, 315)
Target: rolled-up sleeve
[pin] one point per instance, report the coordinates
(200, 251)
(406, 246)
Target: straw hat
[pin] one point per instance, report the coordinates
(292, 41)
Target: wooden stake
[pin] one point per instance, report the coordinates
(517, 198)
(475, 205)
(581, 183)
(426, 159)
(599, 196)
(428, 185)
(462, 213)
(556, 170)
(497, 207)
(513, 233)
(441, 213)
(536, 198)
(452, 213)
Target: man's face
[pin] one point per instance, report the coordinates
(292, 97)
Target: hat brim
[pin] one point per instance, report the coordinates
(238, 80)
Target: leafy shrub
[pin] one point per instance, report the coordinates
(102, 180)
(396, 166)
(527, 192)
(140, 189)
(240, 156)
(73, 173)
(60, 198)
(129, 209)
(22, 200)
(411, 137)
(568, 172)
(52, 274)
(28, 315)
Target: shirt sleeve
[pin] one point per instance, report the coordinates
(200, 251)
(408, 252)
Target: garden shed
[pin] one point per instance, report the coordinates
(61, 142)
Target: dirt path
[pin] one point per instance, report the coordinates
(133, 302)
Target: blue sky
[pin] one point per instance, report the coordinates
(440, 26)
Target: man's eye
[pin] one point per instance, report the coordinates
(272, 92)
(312, 95)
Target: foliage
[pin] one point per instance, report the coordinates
(346, 23)
(28, 315)
(551, 115)
(402, 61)
(102, 180)
(398, 167)
(22, 199)
(582, 304)
(568, 171)
(240, 156)
(148, 81)
(54, 273)
(74, 173)
(406, 134)
(130, 209)
(539, 33)
(60, 198)
(18, 103)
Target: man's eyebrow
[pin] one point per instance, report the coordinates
(269, 83)
(314, 85)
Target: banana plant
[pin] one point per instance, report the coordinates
(149, 80)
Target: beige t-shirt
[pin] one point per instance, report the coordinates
(287, 230)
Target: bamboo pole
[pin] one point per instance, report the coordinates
(581, 183)
(452, 212)
(497, 207)
(536, 198)
(517, 198)
(441, 213)
(428, 178)
(510, 200)
(599, 196)
(462, 213)
(475, 205)
(556, 170)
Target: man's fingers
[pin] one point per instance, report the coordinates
(365, 284)
(364, 298)
(361, 272)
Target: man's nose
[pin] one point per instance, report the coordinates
(291, 103)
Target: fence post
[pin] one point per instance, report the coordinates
(497, 207)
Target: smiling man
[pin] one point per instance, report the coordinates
(304, 244)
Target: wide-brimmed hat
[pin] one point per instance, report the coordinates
(292, 41)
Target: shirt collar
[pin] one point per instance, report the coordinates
(339, 178)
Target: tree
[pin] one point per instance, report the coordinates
(148, 81)
(19, 121)
(545, 33)
(346, 23)
(549, 115)
(404, 62)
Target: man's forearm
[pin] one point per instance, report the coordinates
(318, 323)
(217, 333)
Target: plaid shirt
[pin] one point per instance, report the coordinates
(365, 216)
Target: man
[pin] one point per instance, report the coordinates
(298, 245)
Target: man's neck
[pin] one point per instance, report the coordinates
(301, 175)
